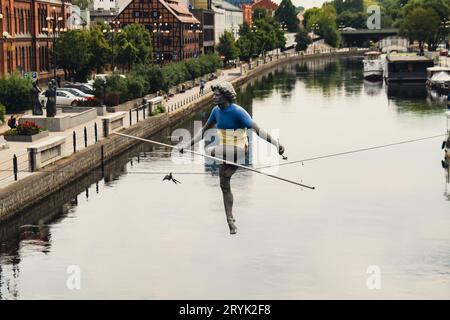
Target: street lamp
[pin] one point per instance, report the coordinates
(55, 26)
(6, 37)
(160, 29)
(114, 27)
(255, 31)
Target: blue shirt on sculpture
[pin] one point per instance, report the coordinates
(231, 123)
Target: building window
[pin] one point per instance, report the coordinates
(23, 59)
(7, 19)
(29, 59)
(155, 14)
(136, 14)
(21, 22)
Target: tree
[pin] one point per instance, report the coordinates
(348, 5)
(15, 92)
(83, 4)
(323, 22)
(287, 14)
(352, 19)
(302, 40)
(133, 46)
(259, 14)
(227, 47)
(441, 8)
(421, 24)
(99, 47)
(331, 36)
(74, 54)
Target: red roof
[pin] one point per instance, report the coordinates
(267, 4)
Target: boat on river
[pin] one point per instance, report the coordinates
(438, 78)
(406, 68)
(373, 66)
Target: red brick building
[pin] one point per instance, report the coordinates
(175, 31)
(248, 9)
(24, 46)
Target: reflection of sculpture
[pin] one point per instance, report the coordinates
(37, 107)
(51, 99)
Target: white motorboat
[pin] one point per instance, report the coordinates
(438, 78)
(373, 66)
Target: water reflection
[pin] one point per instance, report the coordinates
(372, 88)
(365, 214)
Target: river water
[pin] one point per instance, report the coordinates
(377, 226)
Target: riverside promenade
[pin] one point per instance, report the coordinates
(74, 162)
(20, 148)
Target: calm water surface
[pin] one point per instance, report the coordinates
(135, 237)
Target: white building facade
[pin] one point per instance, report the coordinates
(110, 5)
(226, 17)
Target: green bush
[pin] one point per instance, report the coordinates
(136, 86)
(144, 79)
(194, 69)
(158, 110)
(15, 92)
(2, 113)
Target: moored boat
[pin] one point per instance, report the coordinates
(373, 66)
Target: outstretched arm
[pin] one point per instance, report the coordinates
(264, 135)
(197, 137)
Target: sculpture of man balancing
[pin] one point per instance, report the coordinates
(232, 122)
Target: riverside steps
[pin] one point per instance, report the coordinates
(84, 147)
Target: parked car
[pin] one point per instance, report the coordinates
(77, 92)
(85, 87)
(63, 98)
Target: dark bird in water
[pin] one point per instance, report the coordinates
(169, 177)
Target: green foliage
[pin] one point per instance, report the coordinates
(136, 87)
(74, 54)
(259, 14)
(302, 40)
(323, 22)
(227, 47)
(421, 24)
(133, 46)
(83, 4)
(145, 78)
(286, 13)
(99, 47)
(263, 36)
(81, 51)
(15, 92)
(331, 36)
(348, 5)
(352, 19)
(158, 110)
(2, 113)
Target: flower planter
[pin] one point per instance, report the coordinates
(32, 138)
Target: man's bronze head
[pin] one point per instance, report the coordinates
(223, 93)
